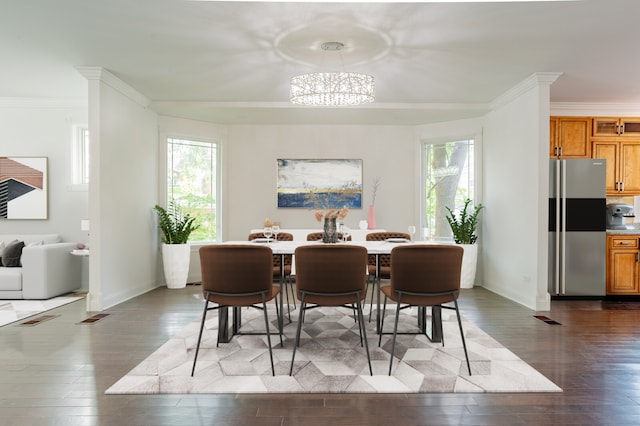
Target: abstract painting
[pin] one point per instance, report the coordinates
(23, 187)
(319, 184)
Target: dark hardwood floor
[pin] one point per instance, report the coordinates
(56, 373)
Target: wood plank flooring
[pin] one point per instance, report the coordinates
(56, 373)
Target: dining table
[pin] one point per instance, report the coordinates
(227, 330)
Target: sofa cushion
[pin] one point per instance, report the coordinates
(10, 279)
(12, 254)
(30, 238)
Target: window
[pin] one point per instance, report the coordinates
(80, 157)
(448, 179)
(192, 168)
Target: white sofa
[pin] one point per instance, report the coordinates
(48, 268)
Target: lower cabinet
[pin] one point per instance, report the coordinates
(623, 264)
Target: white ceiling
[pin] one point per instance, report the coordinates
(230, 62)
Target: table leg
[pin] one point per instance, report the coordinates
(282, 290)
(224, 334)
(436, 323)
(377, 290)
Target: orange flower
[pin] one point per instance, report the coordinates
(331, 214)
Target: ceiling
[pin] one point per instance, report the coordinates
(230, 62)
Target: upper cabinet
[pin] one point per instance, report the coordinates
(607, 127)
(570, 137)
(623, 165)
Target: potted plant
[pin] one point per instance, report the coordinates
(464, 233)
(176, 228)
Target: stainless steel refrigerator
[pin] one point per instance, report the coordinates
(577, 227)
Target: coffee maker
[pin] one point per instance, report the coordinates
(616, 213)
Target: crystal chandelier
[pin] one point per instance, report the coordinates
(332, 88)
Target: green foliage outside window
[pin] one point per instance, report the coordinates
(191, 183)
(449, 181)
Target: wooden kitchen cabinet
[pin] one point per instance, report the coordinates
(570, 137)
(623, 165)
(622, 127)
(622, 264)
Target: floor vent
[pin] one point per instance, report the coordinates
(93, 319)
(547, 320)
(36, 321)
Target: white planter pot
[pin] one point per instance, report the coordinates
(469, 262)
(175, 259)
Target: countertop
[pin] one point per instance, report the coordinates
(635, 230)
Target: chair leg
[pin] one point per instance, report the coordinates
(280, 319)
(293, 293)
(464, 344)
(395, 332)
(295, 346)
(204, 317)
(266, 324)
(288, 287)
(371, 282)
(363, 333)
(384, 311)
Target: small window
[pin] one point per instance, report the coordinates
(192, 168)
(80, 157)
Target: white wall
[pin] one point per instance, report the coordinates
(123, 190)
(249, 154)
(42, 128)
(515, 223)
(250, 181)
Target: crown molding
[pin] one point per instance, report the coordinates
(105, 76)
(595, 109)
(535, 80)
(43, 103)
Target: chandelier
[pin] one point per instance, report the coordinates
(332, 88)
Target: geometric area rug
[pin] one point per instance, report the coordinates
(330, 359)
(15, 310)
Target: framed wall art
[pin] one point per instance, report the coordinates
(23, 188)
(319, 184)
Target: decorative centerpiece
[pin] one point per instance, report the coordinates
(371, 217)
(330, 230)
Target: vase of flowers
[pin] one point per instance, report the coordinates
(329, 217)
(371, 217)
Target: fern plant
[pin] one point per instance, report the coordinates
(176, 226)
(464, 228)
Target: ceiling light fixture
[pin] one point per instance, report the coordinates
(332, 88)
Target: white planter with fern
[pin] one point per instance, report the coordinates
(464, 234)
(175, 261)
(176, 253)
(469, 264)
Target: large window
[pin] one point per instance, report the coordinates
(448, 178)
(192, 168)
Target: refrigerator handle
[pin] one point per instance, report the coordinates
(563, 224)
(556, 271)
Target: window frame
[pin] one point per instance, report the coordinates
(164, 178)
(79, 158)
(477, 174)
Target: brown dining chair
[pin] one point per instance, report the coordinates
(286, 266)
(383, 259)
(237, 276)
(317, 236)
(331, 275)
(423, 276)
